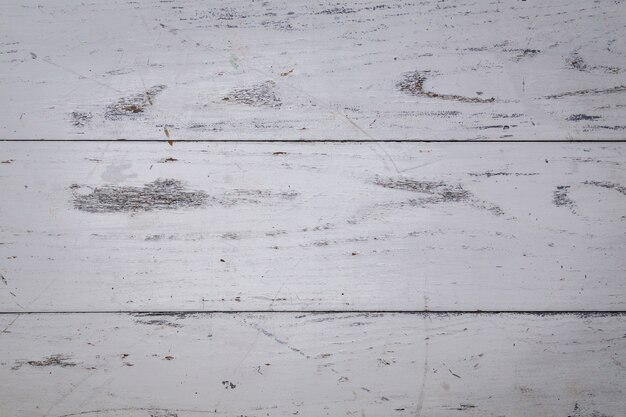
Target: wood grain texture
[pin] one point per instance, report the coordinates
(313, 365)
(148, 226)
(364, 70)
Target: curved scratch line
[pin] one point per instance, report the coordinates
(10, 324)
(42, 292)
(74, 388)
(259, 330)
(79, 75)
(420, 400)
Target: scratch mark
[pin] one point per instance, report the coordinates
(389, 157)
(42, 292)
(450, 370)
(74, 388)
(422, 393)
(10, 324)
(256, 337)
(284, 282)
(81, 76)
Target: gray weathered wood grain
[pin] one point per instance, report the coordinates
(299, 70)
(148, 226)
(276, 364)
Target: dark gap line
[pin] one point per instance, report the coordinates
(417, 312)
(320, 140)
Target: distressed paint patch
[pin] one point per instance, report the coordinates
(523, 53)
(581, 117)
(131, 106)
(162, 194)
(589, 91)
(413, 83)
(259, 95)
(585, 411)
(490, 174)
(606, 184)
(444, 191)
(238, 196)
(52, 360)
(81, 119)
(576, 62)
(158, 322)
(337, 10)
(439, 192)
(560, 197)
(163, 414)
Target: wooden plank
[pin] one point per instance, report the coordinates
(363, 70)
(148, 226)
(312, 365)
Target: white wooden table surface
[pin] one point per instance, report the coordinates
(278, 208)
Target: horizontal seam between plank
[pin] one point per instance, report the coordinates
(320, 140)
(426, 312)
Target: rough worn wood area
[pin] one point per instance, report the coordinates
(312, 227)
(293, 208)
(367, 70)
(312, 365)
